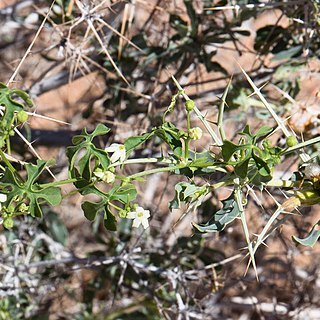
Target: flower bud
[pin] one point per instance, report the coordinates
(195, 133)
(106, 176)
(291, 141)
(189, 105)
(22, 116)
(8, 223)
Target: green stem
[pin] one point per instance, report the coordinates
(156, 170)
(221, 112)
(114, 206)
(215, 138)
(8, 145)
(187, 140)
(58, 183)
(301, 145)
(11, 168)
(143, 160)
(222, 184)
(283, 183)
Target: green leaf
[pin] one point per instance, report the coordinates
(12, 105)
(133, 142)
(287, 54)
(30, 191)
(100, 130)
(228, 149)
(109, 221)
(251, 138)
(193, 17)
(262, 166)
(8, 120)
(190, 190)
(84, 152)
(312, 238)
(171, 135)
(125, 193)
(241, 169)
(247, 131)
(175, 202)
(186, 192)
(201, 159)
(263, 131)
(221, 218)
(91, 209)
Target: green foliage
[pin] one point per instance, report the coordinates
(194, 38)
(247, 156)
(312, 237)
(80, 165)
(25, 197)
(13, 111)
(170, 134)
(134, 142)
(187, 192)
(220, 219)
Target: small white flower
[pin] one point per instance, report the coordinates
(106, 176)
(3, 198)
(57, 10)
(32, 18)
(119, 152)
(139, 216)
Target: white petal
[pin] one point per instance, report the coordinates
(146, 214)
(122, 155)
(114, 157)
(98, 174)
(145, 223)
(3, 197)
(113, 147)
(136, 223)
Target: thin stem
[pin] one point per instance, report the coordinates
(304, 157)
(8, 145)
(283, 183)
(213, 135)
(302, 145)
(220, 184)
(238, 198)
(187, 140)
(221, 112)
(11, 168)
(114, 206)
(156, 170)
(263, 233)
(58, 183)
(143, 160)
